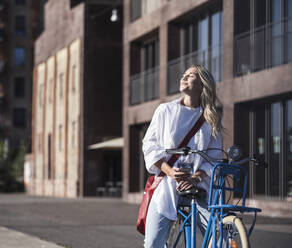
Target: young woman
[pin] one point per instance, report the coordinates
(170, 124)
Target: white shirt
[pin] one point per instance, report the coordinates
(170, 124)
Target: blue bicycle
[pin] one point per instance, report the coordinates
(225, 228)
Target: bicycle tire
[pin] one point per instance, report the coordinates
(239, 226)
(174, 231)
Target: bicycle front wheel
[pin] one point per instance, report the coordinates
(234, 233)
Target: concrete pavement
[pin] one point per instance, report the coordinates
(97, 222)
(12, 239)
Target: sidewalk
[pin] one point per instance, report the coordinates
(12, 239)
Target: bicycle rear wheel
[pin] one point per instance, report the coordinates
(234, 232)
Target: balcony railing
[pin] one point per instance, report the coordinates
(267, 46)
(144, 86)
(211, 58)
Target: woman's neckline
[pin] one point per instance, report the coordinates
(181, 103)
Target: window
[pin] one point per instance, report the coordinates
(61, 83)
(73, 77)
(264, 128)
(276, 33)
(60, 136)
(144, 81)
(196, 39)
(20, 2)
(50, 90)
(151, 54)
(73, 133)
(20, 25)
(41, 92)
(19, 117)
(19, 56)
(262, 31)
(136, 9)
(19, 87)
(39, 142)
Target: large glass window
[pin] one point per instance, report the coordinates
(20, 25)
(19, 117)
(19, 56)
(269, 136)
(19, 87)
(200, 42)
(276, 33)
(216, 47)
(136, 9)
(263, 34)
(260, 148)
(203, 40)
(288, 31)
(144, 81)
(275, 149)
(151, 54)
(20, 2)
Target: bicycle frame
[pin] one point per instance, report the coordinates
(217, 205)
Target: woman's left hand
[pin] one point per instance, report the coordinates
(186, 184)
(191, 181)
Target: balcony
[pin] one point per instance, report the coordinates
(144, 86)
(211, 58)
(265, 47)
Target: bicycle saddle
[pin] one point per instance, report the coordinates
(194, 192)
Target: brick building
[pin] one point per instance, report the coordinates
(76, 99)
(247, 47)
(18, 28)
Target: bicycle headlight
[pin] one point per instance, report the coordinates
(234, 152)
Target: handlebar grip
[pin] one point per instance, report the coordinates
(182, 151)
(258, 162)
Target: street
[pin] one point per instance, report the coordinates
(103, 222)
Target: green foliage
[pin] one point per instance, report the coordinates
(11, 169)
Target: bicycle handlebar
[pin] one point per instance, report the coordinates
(186, 151)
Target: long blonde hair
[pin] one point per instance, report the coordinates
(208, 99)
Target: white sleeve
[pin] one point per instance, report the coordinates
(152, 145)
(217, 154)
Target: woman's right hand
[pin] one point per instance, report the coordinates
(172, 172)
(178, 175)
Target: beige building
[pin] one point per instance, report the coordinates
(247, 47)
(57, 127)
(72, 113)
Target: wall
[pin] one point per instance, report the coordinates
(59, 49)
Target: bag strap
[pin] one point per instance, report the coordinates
(186, 140)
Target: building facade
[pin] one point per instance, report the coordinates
(247, 47)
(17, 29)
(77, 99)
